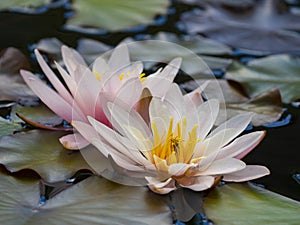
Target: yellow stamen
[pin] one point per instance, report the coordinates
(121, 76)
(142, 77)
(97, 75)
(174, 148)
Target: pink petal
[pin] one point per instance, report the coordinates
(71, 59)
(74, 141)
(199, 183)
(59, 87)
(250, 172)
(54, 101)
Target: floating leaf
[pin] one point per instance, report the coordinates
(271, 22)
(116, 15)
(92, 201)
(40, 114)
(235, 204)
(40, 151)
(277, 71)
(12, 86)
(7, 127)
(22, 3)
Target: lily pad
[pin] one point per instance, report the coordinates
(116, 15)
(92, 201)
(8, 127)
(12, 86)
(40, 114)
(277, 71)
(274, 26)
(235, 204)
(22, 3)
(40, 151)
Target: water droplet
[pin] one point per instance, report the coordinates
(297, 177)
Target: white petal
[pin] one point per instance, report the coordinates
(121, 117)
(223, 166)
(129, 93)
(205, 117)
(160, 115)
(249, 173)
(161, 187)
(120, 143)
(199, 183)
(119, 58)
(178, 169)
(238, 122)
(241, 146)
(86, 130)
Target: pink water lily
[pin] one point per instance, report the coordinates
(116, 79)
(179, 146)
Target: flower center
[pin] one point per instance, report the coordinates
(176, 146)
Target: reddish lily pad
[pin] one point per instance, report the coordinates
(12, 86)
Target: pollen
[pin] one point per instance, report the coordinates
(121, 76)
(97, 75)
(142, 77)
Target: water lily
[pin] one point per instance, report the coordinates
(179, 146)
(87, 90)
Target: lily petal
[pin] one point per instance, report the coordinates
(222, 166)
(241, 146)
(59, 87)
(74, 141)
(161, 187)
(199, 183)
(250, 172)
(53, 100)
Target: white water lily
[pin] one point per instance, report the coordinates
(117, 79)
(178, 146)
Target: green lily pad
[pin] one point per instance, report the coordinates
(40, 114)
(277, 71)
(7, 127)
(116, 15)
(92, 201)
(235, 204)
(22, 3)
(41, 151)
